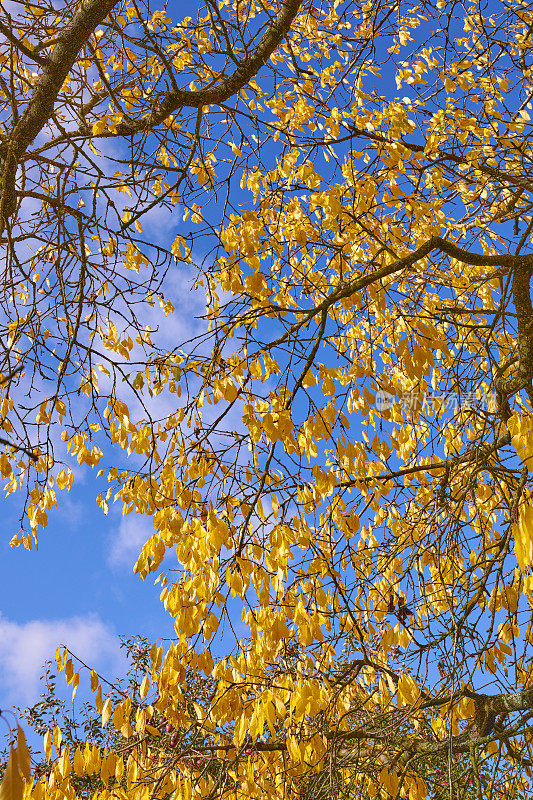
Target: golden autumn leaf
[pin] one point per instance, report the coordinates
(12, 786)
(18, 769)
(106, 712)
(523, 538)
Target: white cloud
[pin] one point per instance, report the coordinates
(25, 646)
(133, 531)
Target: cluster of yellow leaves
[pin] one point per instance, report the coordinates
(18, 770)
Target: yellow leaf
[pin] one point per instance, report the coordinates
(293, 748)
(118, 717)
(18, 768)
(408, 691)
(57, 738)
(119, 769)
(240, 731)
(78, 762)
(523, 538)
(47, 745)
(108, 768)
(389, 780)
(145, 685)
(62, 479)
(465, 708)
(23, 754)
(12, 787)
(100, 126)
(69, 671)
(156, 655)
(106, 712)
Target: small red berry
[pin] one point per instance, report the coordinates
(173, 741)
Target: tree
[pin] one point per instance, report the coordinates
(81, 733)
(347, 461)
(82, 77)
(52, 718)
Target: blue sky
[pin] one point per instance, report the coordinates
(78, 589)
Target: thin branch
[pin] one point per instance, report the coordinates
(41, 106)
(42, 60)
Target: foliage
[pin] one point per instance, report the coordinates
(80, 730)
(17, 771)
(365, 260)
(76, 728)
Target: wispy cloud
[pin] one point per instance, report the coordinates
(128, 539)
(24, 647)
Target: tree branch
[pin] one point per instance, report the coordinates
(41, 105)
(42, 60)
(215, 95)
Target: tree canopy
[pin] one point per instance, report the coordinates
(344, 471)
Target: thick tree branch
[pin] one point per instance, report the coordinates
(75, 36)
(481, 732)
(505, 260)
(41, 105)
(522, 267)
(215, 95)
(20, 448)
(524, 313)
(476, 455)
